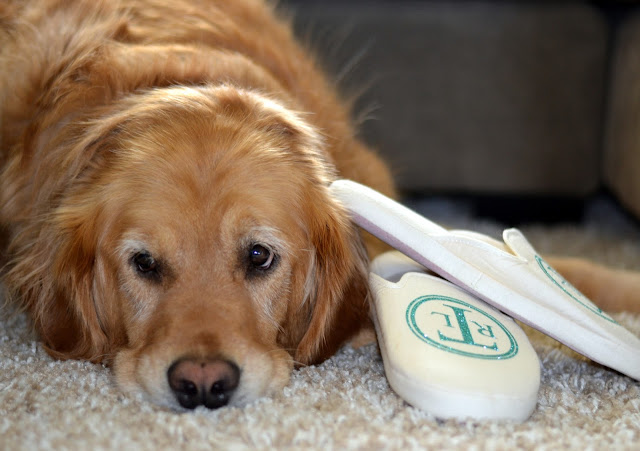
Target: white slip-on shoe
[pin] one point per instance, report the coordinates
(510, 276)
(447, 352)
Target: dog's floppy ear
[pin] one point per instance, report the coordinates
(337, 299)
(70, 327)
(53, 278)
(52, 268)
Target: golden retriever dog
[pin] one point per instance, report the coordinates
(164, 194)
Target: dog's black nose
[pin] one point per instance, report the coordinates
(203, 382)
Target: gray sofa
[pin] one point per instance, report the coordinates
(491, 98)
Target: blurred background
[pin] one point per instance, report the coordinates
(516, 110)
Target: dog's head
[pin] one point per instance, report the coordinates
(198, 249)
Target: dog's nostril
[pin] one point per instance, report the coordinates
(218, 396)
(208, 382)
(188, 388)
(187, 393)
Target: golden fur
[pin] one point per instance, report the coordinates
(149, 150)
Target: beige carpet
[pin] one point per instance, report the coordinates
(344, 403)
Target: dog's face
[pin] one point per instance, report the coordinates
(199, 250)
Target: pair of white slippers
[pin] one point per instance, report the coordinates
(447, 347)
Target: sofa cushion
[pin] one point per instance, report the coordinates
(486, 97)
(622, 143)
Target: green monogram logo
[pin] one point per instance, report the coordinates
(570, 290)
(458, 327)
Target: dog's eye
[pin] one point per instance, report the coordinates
(145, 264)
(261, 257)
